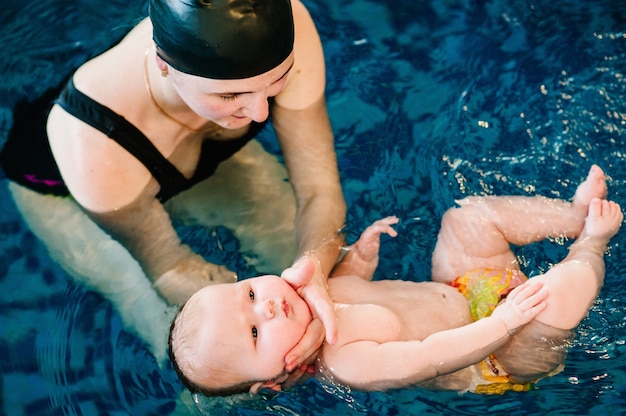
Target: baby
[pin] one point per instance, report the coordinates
(478, 326)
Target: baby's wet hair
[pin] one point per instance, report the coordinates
(195, 388)
(191, 386)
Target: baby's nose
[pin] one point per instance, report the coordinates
(267, 309)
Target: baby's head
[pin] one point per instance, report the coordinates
(232, 337)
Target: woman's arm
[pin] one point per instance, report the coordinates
(302, 125)
(307, 144)
(145, 229)
(303, 128)
(119, 194)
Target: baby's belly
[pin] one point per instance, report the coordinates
(430, 308)
(419, 308)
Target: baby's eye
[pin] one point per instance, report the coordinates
(251, 294)
(254, 332)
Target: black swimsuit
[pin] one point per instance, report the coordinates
(28, 160)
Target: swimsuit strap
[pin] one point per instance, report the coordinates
(126, 135)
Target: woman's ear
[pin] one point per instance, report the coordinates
(163, 67)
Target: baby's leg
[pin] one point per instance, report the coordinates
(574, 283)
(479, 233)
(535, 352)
(539, 349)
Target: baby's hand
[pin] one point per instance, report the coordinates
(362, 257)
(522, 305)
(368, 243)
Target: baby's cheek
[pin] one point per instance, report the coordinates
(280, 349)
(274, 365)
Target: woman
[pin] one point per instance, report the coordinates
(187, 88)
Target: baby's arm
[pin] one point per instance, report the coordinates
(403, 363)
(362, 257)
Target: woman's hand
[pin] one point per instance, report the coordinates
(305, 276)
(188, 276)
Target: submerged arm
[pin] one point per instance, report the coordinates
(145, 229)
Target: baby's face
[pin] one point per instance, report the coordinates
(253, 324)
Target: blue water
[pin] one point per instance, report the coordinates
(430, 101)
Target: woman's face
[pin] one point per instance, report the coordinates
(232, 103)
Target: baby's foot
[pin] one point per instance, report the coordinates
(592, 187)
(603, 221)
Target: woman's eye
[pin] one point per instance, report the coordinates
(254, 332)
(251, 294)
(228, 97)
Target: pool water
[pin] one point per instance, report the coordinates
(430, 101)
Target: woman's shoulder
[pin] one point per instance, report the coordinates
(297, 7)
(100, 174)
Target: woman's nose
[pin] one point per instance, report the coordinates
(257, 108)
(266, 309)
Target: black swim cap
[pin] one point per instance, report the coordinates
(222, 39)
